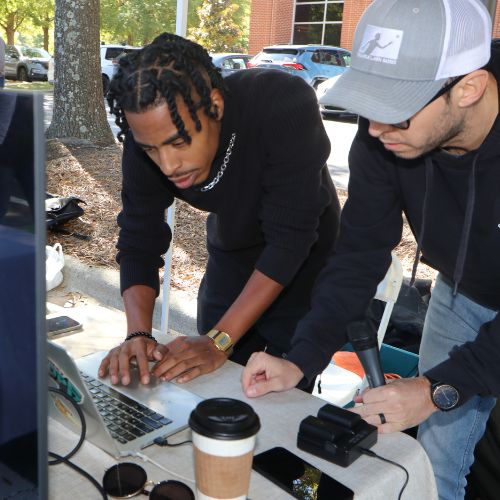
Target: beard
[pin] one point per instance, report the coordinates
(447, 133)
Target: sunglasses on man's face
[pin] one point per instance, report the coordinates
(405, 125)
(126, 480)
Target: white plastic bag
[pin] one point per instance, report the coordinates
(54, 263)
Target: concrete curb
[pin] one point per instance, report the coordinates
(103, 285)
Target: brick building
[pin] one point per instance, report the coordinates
(329, 22)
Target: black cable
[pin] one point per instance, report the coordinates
(61, 459)
(65, 459)
(83, 432)
(162, 441)
(371, 453)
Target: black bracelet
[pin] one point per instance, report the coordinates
(140, 334)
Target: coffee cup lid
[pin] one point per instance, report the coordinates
(224, 418)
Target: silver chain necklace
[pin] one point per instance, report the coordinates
(223, 167)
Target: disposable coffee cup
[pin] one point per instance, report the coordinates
(224, 432)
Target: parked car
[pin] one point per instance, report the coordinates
(50, 72)
(327, 110)
(229, 63)
(26, 63)
(109, 61)
(313, 63)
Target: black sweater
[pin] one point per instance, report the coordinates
(275, 208)
(381, 187)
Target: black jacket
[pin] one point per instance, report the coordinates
(275, 208)
(381, 188)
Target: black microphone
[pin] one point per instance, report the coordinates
(365, 343)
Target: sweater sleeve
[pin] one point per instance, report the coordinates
(370, 227)
(296, 147)
(474, 367)
(144, 235)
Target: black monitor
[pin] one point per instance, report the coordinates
(23, 383)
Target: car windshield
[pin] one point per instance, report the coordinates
(34, 52)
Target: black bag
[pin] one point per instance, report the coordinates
(59, 210)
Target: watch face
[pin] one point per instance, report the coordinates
(445, 397)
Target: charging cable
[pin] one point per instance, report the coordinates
(371, 453)
(145, 458)
(162, 441)
(58, 459)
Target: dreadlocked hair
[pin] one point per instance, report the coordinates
(170, 66)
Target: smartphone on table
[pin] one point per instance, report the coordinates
(61, 324)
(298, 477)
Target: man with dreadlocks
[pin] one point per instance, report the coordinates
(252, 151)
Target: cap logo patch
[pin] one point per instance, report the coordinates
(380, 44)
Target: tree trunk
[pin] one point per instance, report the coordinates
(10, 29)
(47, 22)
(78, 99)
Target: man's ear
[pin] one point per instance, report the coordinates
(217, 103)
(472, 88)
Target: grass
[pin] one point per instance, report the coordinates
(15, 85)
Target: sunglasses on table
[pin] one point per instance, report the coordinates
(405, 125)
(126, 480)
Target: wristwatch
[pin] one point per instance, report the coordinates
(222, 341)
(444, 396)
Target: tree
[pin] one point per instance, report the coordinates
(217, 30)
(78, 100)
(12, 15)
(42, 15)
(137, 22)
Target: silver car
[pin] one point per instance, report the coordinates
(229, 63)
(26, 63)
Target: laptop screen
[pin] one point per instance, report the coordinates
(23, 387)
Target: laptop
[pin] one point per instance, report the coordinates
(120, 419)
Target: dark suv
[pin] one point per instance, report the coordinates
(26, 63)
(313, 63)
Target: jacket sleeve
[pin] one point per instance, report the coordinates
(370, 227)
(144, 235)
(474, 367)
(296, 148)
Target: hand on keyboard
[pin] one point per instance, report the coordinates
(117, 361)
(186, 358)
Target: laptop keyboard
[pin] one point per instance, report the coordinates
(125, 418)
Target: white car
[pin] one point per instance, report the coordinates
(327, 110)
(109, 61)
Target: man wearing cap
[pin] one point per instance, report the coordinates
(428, 146)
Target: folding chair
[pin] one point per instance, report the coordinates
(338, 385)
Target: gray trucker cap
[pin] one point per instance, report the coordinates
(404, 51)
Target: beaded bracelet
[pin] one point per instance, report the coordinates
(140, 334)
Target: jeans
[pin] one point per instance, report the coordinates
(2, 81)
(449, 438)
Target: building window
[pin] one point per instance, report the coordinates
(318, 22)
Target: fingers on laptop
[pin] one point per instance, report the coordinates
(117, 361)
(187, 358)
